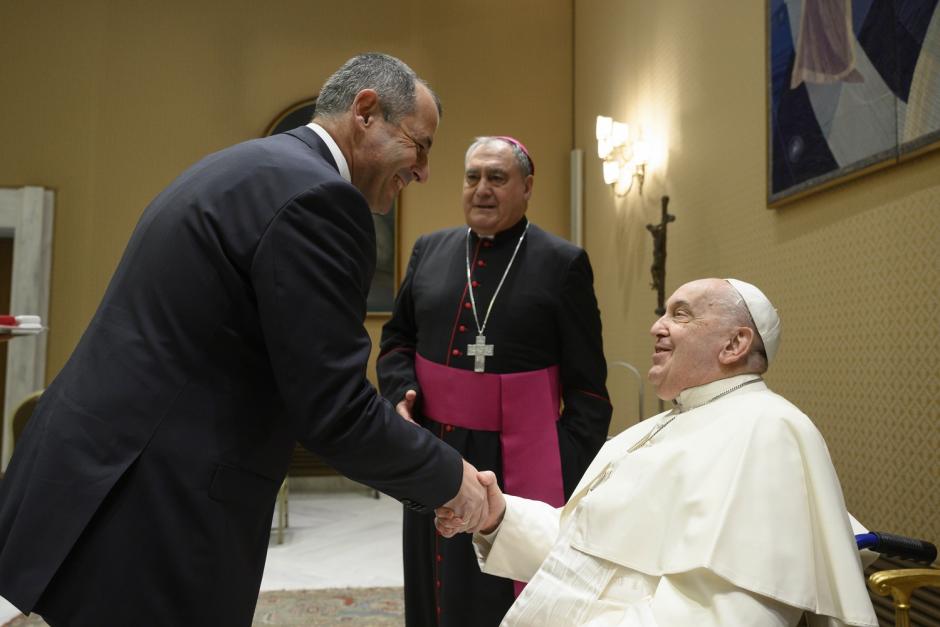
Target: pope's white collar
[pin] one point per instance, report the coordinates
(691, 398)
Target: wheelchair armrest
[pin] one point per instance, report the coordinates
(901, 583)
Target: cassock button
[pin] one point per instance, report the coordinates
(487, 243)
(475, 283)
(438, 583)
(467, 305)
(448, 428)
(455, 352)
(481, 263)
(439, 558)
(462, 328)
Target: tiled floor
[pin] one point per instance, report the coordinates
(334, 540)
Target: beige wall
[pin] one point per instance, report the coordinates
(106, 102)
(854, 271)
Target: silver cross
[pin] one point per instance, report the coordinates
(480, 351)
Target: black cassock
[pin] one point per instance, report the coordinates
(545, 314)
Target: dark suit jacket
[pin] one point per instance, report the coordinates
(144, 484)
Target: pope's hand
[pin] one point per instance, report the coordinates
(405, 406)
(495, 500)
(466, 511)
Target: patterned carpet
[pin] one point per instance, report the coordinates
(335, 606)
(289, 608)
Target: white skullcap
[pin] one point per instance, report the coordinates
(763, 313)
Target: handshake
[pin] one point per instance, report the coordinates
(478, 506)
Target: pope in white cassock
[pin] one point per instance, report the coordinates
(725, 510)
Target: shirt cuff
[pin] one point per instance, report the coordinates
(483, 542)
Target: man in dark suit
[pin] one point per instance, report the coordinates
(142, 490)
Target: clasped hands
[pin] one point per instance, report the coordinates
(478, 506)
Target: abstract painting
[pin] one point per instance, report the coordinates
(853, 86)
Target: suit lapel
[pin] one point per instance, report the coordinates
(309, 137)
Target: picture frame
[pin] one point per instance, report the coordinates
(384, 286)
(851, 88)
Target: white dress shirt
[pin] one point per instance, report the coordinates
(334, 150)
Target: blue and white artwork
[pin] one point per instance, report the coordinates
(853, 84)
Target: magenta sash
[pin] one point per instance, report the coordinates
(522, 407)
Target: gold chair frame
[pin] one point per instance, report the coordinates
(900, 585)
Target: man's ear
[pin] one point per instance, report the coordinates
(528, 182)
(737, 347)
(366, 106)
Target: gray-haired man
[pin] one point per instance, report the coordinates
(725, 510)
(495, 323)
(142, 490)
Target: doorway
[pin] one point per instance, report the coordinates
(26, 215)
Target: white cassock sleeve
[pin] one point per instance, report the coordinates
(527, 535)
(517, 548)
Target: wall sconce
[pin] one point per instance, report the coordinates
(625, 160)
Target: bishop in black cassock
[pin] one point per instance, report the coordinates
(542, 345)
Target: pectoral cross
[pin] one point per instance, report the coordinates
(480, 351)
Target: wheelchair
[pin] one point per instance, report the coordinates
(900, 583)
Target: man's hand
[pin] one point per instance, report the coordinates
(405, 406)
(447, 523)
(466, 511)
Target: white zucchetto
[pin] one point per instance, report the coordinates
(763, 313)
